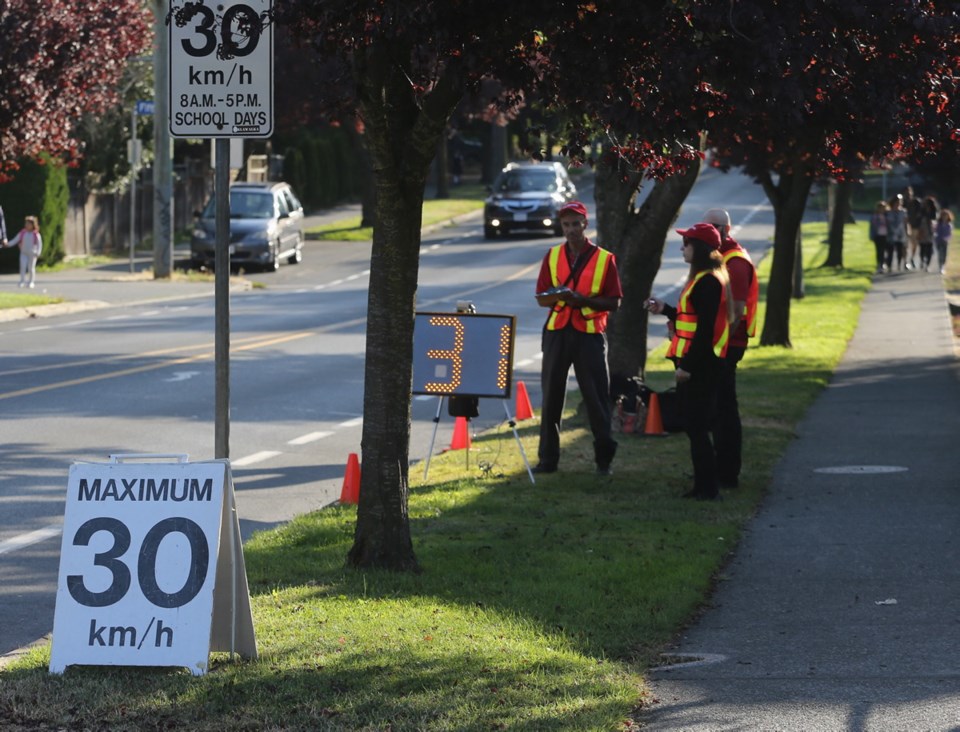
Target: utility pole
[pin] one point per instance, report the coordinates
(162, 162)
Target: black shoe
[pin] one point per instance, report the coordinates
(543, 468)
(604, 470)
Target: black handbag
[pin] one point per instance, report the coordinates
(670, 411)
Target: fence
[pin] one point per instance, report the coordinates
(99, 223)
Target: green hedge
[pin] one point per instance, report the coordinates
(322, 167)
(39, 189)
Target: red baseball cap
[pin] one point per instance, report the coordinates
(707, 233)
(572, 207)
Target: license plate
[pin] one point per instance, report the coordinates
(519, 217)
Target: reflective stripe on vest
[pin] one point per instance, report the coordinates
(588, 284)
(749, 313)
(686, 323)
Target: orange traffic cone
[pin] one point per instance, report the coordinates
(523, 409)
(654, 424)
(461, 435)
(350, 493)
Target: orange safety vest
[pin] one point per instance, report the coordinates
(749, 313)
(686, 324)
(588, 284)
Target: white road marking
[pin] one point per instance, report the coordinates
(32, 537)
(356, 422)
(257, 457)
(309, 437)
(183, 375)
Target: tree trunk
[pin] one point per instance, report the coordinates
(799, 289)
(498, 148)
(637, 237)
(789, 199)
(839, 217)
(403, 133)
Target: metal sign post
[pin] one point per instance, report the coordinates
(221, 86)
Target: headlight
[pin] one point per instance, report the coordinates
(199, 234)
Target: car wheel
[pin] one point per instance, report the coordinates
(489, 232)
(297, 255)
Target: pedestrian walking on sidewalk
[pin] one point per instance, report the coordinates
(31, 244)
(3, 229)
(701, 330)
(745, 292)
(913, 207)
(928, 224)
(896, 233)
(580, 284)
(878, 233)
(942, 236)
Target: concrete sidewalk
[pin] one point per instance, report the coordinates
(841, 608)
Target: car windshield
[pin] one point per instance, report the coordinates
(518, 181)
(245, 205)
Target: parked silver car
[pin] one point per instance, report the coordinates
(266, 227)
(527, 196)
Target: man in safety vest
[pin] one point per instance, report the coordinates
(580, 284)
(727, 429)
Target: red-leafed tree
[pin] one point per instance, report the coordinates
(60, 59)
(636, 75)
(407, 65)
(816, 88)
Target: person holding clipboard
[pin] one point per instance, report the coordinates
(580, 285)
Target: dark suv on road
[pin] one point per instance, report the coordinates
(266, 227)
(527, 196)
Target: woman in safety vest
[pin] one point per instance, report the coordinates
(701, 329)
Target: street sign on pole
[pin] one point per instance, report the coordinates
(221, 69)
(145, 107)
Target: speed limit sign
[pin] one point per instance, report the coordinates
(151, 567)
(221, 68)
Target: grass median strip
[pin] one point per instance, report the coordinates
(540, 606)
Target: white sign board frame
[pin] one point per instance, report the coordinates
(221, 68)
(151, 567)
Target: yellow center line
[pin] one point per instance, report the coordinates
(247, 345)
(124, 357)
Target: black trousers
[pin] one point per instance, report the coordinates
(698, 400)
(587, 353)
(727, 428)
(880, 244)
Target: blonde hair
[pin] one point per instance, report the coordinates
(32, 220)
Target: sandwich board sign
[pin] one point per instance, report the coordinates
(151, 566)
